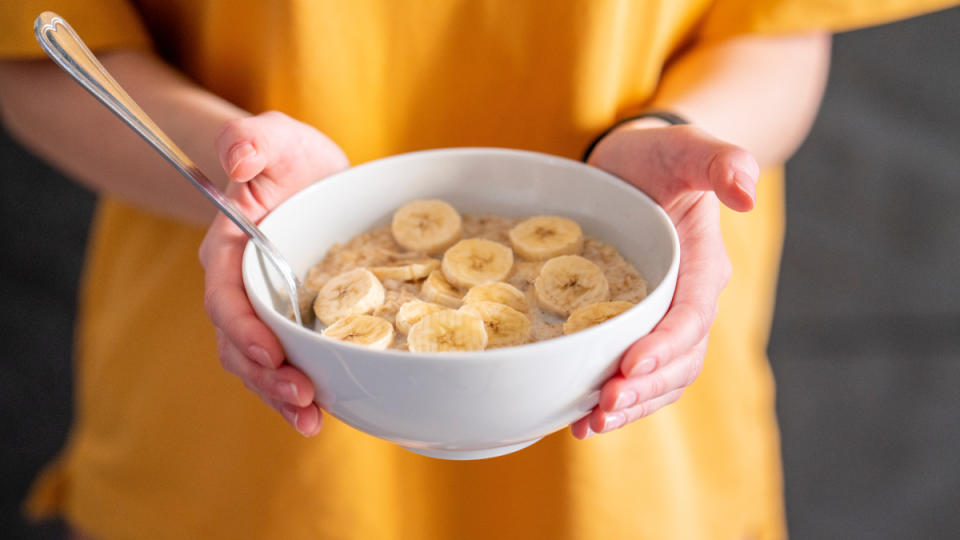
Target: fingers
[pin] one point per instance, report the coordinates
(623, 392)
(623, 400)
(600, 421)
(246, 346)
(306, 420)
(656, 369)
(683, 326)
(230, 311)
(286, 389)
(626, 399)
(224, 297)
(284, 384)
(603, 422)
(704, 271)
(581, 428)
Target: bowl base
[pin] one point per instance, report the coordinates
(462, 455)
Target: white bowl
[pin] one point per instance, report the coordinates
(478, 404)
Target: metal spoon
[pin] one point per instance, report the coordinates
(64, 46)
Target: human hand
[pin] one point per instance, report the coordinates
(269, 157)
(688, 173)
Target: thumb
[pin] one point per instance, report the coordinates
(704, 162)
(243, 148)
(666, 162)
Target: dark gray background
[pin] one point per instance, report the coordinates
(866, 339)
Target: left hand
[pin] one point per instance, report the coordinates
(689, 173)
(268, 158)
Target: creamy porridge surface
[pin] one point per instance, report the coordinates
(379, 248)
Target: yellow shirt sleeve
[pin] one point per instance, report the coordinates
(103, 25)
(727, 18)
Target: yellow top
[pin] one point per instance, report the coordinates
(167, 445)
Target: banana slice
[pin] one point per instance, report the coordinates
(544, 237)
(437, 289)
(568, 282)
(447, 330)
(476, 261)
(592, 315)
(505, 326)
(500, 292)
(355, 292)
(411, 312)
(429, 226)
(406, 270)
(365, 330)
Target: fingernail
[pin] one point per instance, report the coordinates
(644, 366)
(626, 399)
(613, 421)
(745, 182)
(260, 355)
(239, 153)
(292, 415)
(289, 393)
(296, 422)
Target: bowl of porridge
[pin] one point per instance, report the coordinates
(465, 303)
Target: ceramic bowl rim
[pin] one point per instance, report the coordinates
(667, 282)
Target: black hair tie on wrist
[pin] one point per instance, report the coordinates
(666, 116)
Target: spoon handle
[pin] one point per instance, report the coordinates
(64, 46)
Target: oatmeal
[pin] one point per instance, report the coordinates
(523, 278)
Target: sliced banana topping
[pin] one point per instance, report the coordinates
(406, 270)
(544, 237)
(594, 314)
(435, 281)
(505, 326)
(446, 331)
(568, 282)
(476, 261)
(365, 330)
(411, 312)
(429, 226)
(500, 292)
(355, 292)
(437, 289)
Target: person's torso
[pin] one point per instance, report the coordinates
(383, 77)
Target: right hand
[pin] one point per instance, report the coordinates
(268, 157)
